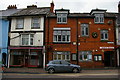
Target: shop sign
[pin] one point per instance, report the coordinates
(17, 53)
(33, 53)
(110, 42)
(106, 47)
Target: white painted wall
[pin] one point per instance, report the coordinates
(27, 24)
(38, 36)
(14, 41)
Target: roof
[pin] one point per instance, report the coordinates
(32, 11)
(107, 14)
(8, 12)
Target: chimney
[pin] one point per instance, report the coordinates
(52, 7)
(119, 7)
(32, 6)
(12, 7)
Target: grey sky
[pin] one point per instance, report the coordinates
(73, 5)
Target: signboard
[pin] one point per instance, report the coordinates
(107, 47)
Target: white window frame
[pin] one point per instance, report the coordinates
(65, 53)
(62, 33)
(87, 53)
(84, 30)
(33, 23)
(104, 33)
(29, 40)
(20, 23)
(99, 18)
(61, 17)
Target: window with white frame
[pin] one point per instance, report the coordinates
(61, 35)
(62, 18)
(61, 56)
(97, 57)
(99, 18)
(35, 23)
(85, 56)
(84, 29)
(20, 23)
(104, 34)
(27, 39)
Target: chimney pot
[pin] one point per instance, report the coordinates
(52, 7)
(32, 6)
(12, 7)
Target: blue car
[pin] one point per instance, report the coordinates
(61, 66)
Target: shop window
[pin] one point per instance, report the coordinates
(85, 56)
(97, 57)
(33, 60)
(61, 56)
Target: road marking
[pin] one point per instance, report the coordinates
(62, 74)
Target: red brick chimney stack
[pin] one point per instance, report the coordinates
(119, 7)
(52, 7)
(12, 7)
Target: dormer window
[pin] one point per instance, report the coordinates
(99, 18)
(62, 15)
(62, 18)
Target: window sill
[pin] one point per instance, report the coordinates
(104, 41)
(19, 28)
(61, 23)
(99, 23)
(85, 36)
(86, 61)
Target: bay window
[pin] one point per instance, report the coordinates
(27, 39)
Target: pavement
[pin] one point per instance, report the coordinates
(42, 71)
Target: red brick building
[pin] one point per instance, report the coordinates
(86, 39)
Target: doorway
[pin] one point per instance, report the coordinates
(4, 58)
(109, 59)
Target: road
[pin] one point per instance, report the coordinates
(84, 75)
(40, 74)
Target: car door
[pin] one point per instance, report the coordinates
(65, 66)
(57, 66)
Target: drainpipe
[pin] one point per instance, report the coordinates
(77, 40)
(44, 57)
(8, 58)
(118, 58)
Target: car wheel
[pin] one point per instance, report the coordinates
(51, 71)
(75, 70)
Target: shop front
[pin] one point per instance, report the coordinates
(26, 57)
